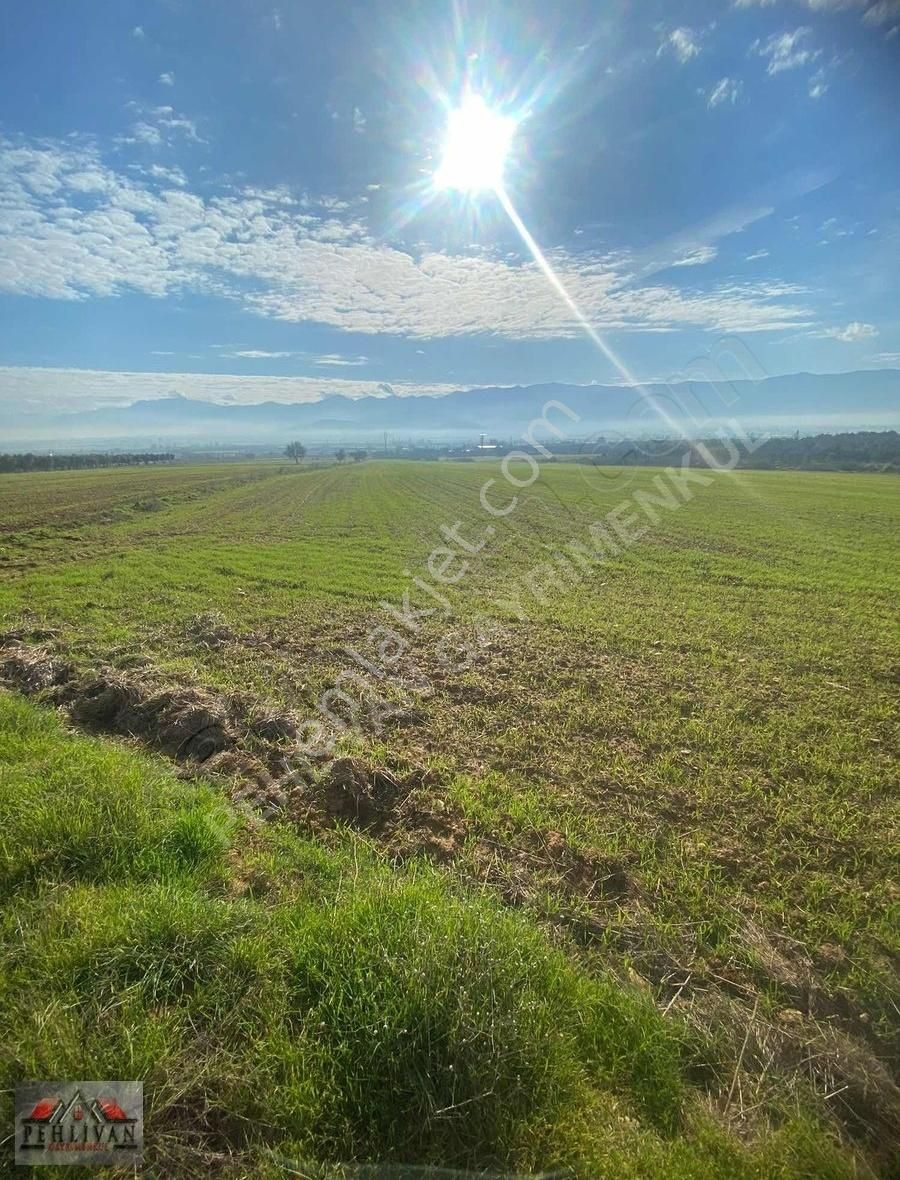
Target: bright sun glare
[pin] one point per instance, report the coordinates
(475, 147)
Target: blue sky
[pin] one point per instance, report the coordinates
(191, 189)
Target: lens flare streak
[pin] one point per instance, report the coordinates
(556, 283)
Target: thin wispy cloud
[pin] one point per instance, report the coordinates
(698, 257)
(833, 229)
(258, 354)
(852, 333)
(883, 12)
(813, 5)
(878, 14)
(167, 79)
(786, 51)
(338, 361)
(682, 42)
(696, 244)
(726, 90)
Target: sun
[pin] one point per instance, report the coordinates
(475, 147)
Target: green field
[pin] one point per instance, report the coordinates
(614, 834)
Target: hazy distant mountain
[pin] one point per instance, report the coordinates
(803, 401)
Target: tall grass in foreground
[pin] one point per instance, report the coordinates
(286, 1002)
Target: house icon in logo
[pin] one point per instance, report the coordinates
(78, 1122)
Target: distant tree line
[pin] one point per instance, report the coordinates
(864, 450)
(297, 451)
(78, 462)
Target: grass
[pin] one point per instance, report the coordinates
(676, 766)
(279, 999)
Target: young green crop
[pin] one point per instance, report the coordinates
(706, 718)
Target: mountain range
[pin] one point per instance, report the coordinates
(867, 399)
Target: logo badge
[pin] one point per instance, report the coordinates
(79, 1123)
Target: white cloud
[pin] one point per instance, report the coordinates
(171, 174)
(725, 90)
(757, 255)
(786, 51)
(258, 354)
(815, 5)
(698, 257)
(834, 228)
(138, 32)
(158, 126)
(333, 358)
(167, 79)
(852, 333)
(144, 133)
(64, 390)
(170, 121)
(683, 42)
(817, 84)
(886, 358)
(700, 237)
(304, 261)
(882, 12)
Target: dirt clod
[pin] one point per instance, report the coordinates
(209, 629)
(32, 669)
(352, 792)
(186, 723)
